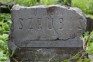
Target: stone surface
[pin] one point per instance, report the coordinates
(58, 43)
(90, 57)
(89, 24)
(51, 29)
(41, 23)
(45, 54)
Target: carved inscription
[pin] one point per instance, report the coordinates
(41, 24)
(41, 32)
(21, 23)
(32, 23)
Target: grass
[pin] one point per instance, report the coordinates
(5, 0)
(84, 5)
(5, 23)
(26, 2)
(48, 2)
(90, 15)
(34, 2)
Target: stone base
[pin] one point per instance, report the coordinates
(44, 54)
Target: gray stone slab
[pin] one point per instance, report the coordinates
(41, 32)
(46, 23)
(58, 43)
(45, 54)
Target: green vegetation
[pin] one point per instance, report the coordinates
(88, 42)
(26, 2)
(5, 0)
(85, 5)
(5, 22)
(48, 2)
(32, 2)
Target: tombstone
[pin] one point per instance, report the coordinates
(45, 33)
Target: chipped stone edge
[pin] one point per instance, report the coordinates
(18, 7)
(75, 9)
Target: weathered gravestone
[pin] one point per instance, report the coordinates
(42, 33)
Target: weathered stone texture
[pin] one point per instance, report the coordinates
(46, 26)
